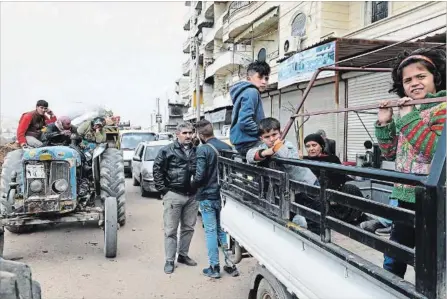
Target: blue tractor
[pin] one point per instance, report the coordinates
(60, 184)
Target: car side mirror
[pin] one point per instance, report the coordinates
(136, 158)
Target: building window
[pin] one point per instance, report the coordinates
(262, 54)
(379, 10)
(299, 25)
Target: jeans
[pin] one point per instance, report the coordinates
(213, 232)
(386, 222)
(33, 141)
(402, 234)
(178, 209)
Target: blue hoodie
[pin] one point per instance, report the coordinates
(247, 113)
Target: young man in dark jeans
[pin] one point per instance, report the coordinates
(247, 107)
(206, 180)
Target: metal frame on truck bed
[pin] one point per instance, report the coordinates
(296, 263)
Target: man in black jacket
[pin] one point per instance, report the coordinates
(208, 195)
(174, 168)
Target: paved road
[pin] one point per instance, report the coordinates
(69, 263)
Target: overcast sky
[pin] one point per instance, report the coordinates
(123, 55)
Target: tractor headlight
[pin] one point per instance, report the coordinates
(60, 185)
(36, 186)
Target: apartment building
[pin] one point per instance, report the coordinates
(296, 38)
(177, 104)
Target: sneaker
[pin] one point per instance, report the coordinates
(384, 232)
(212, 271)
(231, 270)
(371, 225)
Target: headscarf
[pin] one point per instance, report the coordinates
(315, 137)
(61, 121)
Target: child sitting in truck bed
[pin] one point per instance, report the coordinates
(270, 133)
(411, 138)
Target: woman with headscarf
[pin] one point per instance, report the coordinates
(315, 144)
(59, 132)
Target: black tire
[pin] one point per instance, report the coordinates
(344, 213)
(143, 192)
(135, 182)
(12, 162)
(2, 241)
(20, 229)
(112, 180)
(270, 287)
(110, 227)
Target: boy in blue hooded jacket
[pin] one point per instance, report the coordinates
(247, 107)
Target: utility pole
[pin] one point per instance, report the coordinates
(158, 117)
(197, 79)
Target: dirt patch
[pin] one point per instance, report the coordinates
(5, 149)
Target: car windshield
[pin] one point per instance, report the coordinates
(131, 140)
(151, 152)
(165, 137)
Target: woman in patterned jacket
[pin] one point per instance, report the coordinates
(411, 138)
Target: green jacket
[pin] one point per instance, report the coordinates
(86, 132)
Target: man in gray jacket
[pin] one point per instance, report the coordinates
(270, 131)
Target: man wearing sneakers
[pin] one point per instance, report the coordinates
(206, 180)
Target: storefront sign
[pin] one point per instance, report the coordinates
(301, 66)
(218, 116)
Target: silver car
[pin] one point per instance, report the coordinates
(143, 163)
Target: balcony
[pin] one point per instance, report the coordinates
(227, 62)
(213, 33)
(243, 14)
(208, 7)
(187, 46)
(218, 100)
(186, 67)
(203, 21)
(187, 22)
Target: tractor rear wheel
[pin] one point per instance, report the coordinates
(112, 180)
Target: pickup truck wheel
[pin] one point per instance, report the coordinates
(269, 287)
(267, 291)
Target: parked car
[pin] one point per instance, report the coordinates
(129, 140)
(165, 136)
(143, 163)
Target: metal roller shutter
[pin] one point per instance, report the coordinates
(323, 98)
(365, 90)
(289, 102)
(266, 104)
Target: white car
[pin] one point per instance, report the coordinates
(143, 163)
(129, 140)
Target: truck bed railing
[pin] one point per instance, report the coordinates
(270, 192)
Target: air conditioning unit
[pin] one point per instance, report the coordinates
(292, 44)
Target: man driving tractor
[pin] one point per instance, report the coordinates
(59, 132)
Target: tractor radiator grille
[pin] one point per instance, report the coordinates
(55, 170)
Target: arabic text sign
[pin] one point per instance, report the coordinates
(301, 66)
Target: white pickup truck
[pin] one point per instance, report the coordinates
(297, 263)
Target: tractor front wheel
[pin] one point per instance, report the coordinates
(110, 227)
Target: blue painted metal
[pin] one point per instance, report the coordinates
(61, 153)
